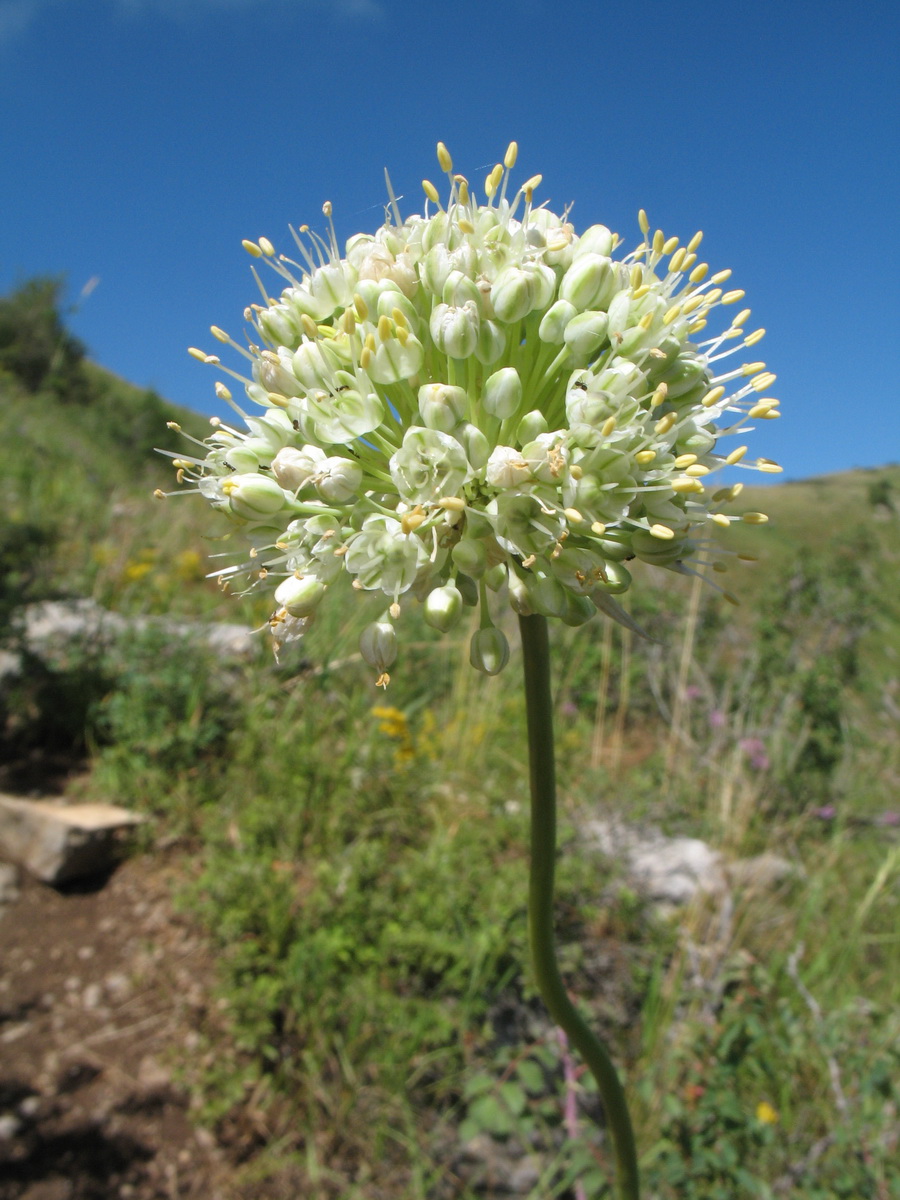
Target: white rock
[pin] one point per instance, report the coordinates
(59, 842)
(667, 870)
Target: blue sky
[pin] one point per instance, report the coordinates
(143, 139)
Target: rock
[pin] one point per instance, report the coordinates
(761, 872)
(52, 629)
(670, 871)
(59, 842)
(9, 884)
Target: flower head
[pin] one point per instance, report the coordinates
(480, 397)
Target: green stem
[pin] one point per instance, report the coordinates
(538, 699)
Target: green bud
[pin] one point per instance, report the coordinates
(470, 556)
(579, 609)
(617, 581)
(254, 496)
(468, 589)
(532, 425)
(489, 650)
(300, 597)
(588, 282)
(502, 393)
(554, 322)
(491, 342)
(378, 645)
(586, 333)
(475, 444)
(455, 330)
(442, 406)
(443, 607)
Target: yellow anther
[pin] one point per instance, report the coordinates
(721, 276)
(699, 273)
(772, 415)
(180, 462)
(443, 156)
(278, 400)
(398, 316)
(752, 368)
(695, 241)
(465, 226)
(385, 330)
(497, 175)
(664, 424)
(252, 249)
(756, 336)
(597, 526)
(762, 409)
(677, 259)
(696, 326)
(348, 321)
(531, 184)
(219, 334)
(509, 158)
(644, 457)
(761, 382)
(403, 335)
(692, 304)
(689, 261)
(308, 325)
(360, 307)
(672, 314)
(670, 245)
(740, 318)
(696, 471)
(768, 467)
(430, 191)
(685, 460)
(463, 190)
(733, 297)
(575, 471)
(223, 392)
(713, 295)
(573, 515)
(646, 321)
(365, 357)
(754, 518)
(659, 396)
(735, 456)
(636, 276)
(663, 532)
(173, 425)
(159, 494)
(643, 222)
(370, 340)
(721, 520)
(685, 484)
(659, 240)
(267, 248)
(639, 292)
(200, 355)
(608, 426)
(411, 521)
(452, 503)
(713, 397)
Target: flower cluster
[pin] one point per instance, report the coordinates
(479, 398)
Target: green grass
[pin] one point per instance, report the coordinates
(361, 858)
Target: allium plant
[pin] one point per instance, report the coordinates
(481, 400)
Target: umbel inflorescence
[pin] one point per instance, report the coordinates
(479, 399)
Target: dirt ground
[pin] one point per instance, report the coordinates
(103, 989)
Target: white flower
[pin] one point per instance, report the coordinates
(479, 394)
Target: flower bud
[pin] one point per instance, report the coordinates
(586, 333)
(442, 406)
(491, 342)
(588, 282)
(254, 496)
(470, 556)
(443, 608)
(489, 650)
(513, 294)
(294, 468)
(339, 480)
(474, 443)
(579, 609)
(618, 578)
(378, 645)
(554, 322)
(502, 393)
(300, 597)
(596, 239)
(458, 289)
(532, 425)
(455, 330)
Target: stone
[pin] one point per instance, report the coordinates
(59, 842)
(668, 870)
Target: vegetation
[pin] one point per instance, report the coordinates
(363, 856)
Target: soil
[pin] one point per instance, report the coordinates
(104, 989)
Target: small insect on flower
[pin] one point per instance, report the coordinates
(477, 398)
